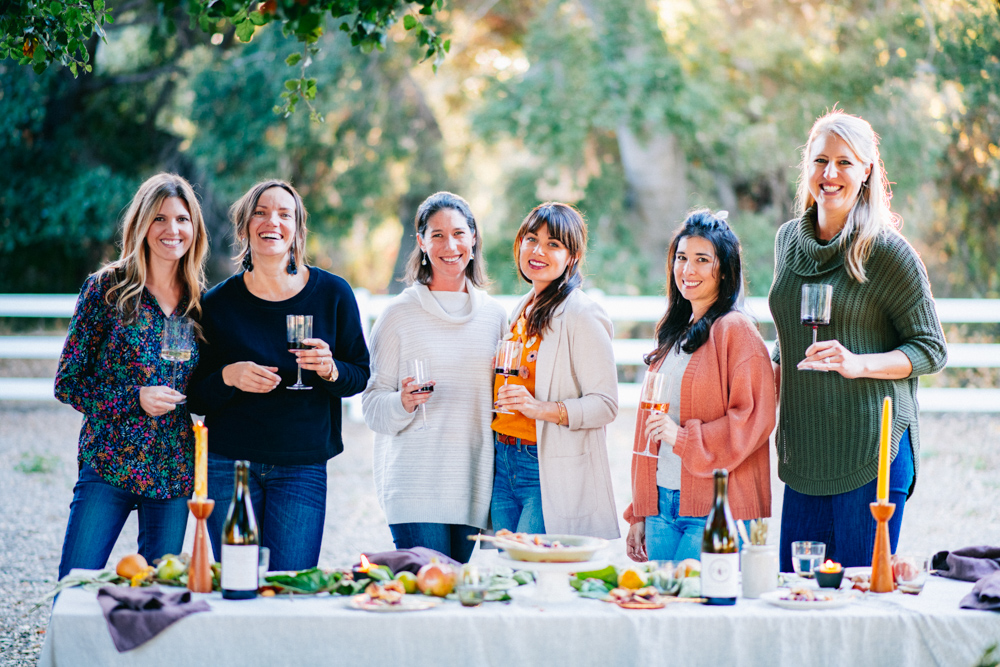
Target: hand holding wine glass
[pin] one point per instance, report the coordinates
(421, 386)
(176, 345)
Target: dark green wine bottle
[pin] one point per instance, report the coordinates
(720, 564)
(240, 541)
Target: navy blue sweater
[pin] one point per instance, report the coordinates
(280, 427)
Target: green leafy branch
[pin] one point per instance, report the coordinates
(42, 33)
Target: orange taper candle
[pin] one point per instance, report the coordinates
(200, 461)
(883, 451)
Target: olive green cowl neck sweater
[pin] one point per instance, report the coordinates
(828, 427)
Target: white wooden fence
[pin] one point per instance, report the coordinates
(628, 352)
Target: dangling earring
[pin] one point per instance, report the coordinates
(472, 255)
(423, 262)
(247, 261)
(292, 269)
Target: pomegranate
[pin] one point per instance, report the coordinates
(436, 579)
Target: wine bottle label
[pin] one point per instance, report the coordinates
(239, 567)
(719, 575)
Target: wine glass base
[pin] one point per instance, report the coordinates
(648, 454)
(502, 412)
(296, 387)
(815, 370)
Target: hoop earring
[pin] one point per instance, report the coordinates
(247, 261)
(292, 269)
(423, 262)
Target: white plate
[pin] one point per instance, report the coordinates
(777, 599)
(574, 549)
(410, 602)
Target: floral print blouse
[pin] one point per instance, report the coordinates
(103, 365)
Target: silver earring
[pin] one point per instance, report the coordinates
(423, 262)
(472, 255)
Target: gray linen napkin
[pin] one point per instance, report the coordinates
(985, 594)
(409, 559)
(136, 615)
(968, 563)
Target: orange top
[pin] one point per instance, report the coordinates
(517, 425)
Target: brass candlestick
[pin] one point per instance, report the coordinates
(200, 570)
(882, 579)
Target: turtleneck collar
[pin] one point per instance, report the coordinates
(809, 255)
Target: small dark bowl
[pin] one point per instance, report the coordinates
(829, 579)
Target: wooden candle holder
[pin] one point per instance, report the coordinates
(882, 579)
(200, 570)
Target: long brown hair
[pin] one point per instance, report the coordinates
(128, 272)
(241, 212)
(566, 225)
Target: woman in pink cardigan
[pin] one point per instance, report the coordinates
(722, 407)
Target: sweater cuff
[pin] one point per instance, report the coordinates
(397, 413)
(921, 362)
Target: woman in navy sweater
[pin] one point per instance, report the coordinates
(241, 383)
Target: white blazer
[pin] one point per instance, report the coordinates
(576, 365)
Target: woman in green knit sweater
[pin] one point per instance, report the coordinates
(883, 333)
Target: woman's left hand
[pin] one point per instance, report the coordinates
(661, 428)
(517, 397)
(318, 357)
(830, 355)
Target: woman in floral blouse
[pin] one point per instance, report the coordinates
(136, 444)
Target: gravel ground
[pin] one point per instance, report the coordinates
(954, 505)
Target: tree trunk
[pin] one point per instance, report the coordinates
(655, 170)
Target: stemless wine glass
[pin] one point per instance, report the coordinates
(297, 329)
(817, 300)
(508, 362)
(177, 344)
(420, 371)
(653, 397)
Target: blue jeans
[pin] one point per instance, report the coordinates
(670, 536)
(451, 539)
(517, 492)
(289, 503)
(844, 521)
(98, 512)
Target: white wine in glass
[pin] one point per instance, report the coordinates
(654, 398)
(177, 344)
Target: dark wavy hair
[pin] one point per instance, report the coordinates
(676, 328)
(566, 225)
(475, 271)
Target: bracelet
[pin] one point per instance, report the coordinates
(334, 373)
(563, 415)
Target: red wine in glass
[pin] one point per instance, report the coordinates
(817, 302)
(508, 362)
(297, 329)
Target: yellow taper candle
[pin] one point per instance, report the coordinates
(200, 461)
(883, 451)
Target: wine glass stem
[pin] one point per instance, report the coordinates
(814, 335)
(423, 414)
(173, 375)
(298, 373)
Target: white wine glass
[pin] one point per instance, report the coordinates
(654, 399)
(420, 371)
(508, 362)
(817, 302)
(297, 329)
(176, 345)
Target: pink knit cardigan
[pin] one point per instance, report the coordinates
(727, 413)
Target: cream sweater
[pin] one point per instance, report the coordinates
(445, 473)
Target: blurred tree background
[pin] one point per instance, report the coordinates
(634, 110)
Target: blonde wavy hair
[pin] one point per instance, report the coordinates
(870, 216)
(128, 272)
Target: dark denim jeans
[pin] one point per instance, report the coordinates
(289, 503)
(98, 512)
(517, 491)
(451, 539)
(844, 521)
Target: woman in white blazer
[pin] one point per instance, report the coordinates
(551, 459)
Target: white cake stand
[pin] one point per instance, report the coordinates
(551, 579)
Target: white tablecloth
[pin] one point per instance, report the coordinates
(887, 630)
